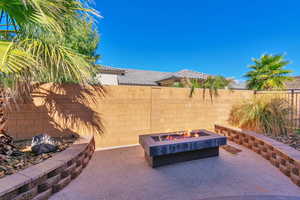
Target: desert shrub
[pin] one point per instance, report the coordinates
(270, 115)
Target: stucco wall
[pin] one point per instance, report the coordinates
(123, 113)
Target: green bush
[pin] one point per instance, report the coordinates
(270, 115)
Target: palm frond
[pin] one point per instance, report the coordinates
(268, 73)
(50, 14)
(13, 59)
(39, 53)
(57, 63)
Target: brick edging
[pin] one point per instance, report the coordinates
(282, 156)
(40, 181)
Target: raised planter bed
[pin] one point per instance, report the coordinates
(38, 182)
(13, 163)
(282, 156)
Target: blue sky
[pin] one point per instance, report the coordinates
(213, 36)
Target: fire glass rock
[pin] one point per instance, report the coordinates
(43, 143)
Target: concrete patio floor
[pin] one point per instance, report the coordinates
(123, 174)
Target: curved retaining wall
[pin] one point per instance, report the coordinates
(282, 156)
(39, 181)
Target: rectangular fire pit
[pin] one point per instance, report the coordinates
(168, 148)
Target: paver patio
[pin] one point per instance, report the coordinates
(123, 174)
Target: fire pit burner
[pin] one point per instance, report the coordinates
(168, 148)
(179, 135)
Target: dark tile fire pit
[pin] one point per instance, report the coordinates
(168, 148)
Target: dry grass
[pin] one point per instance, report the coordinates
(270, 115)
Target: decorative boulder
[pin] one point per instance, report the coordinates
(43, 143)
(43, 148)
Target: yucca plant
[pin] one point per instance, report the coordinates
(270, 115)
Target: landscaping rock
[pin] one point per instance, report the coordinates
(10, 164)
(43, 143)
(3, 157)
(43, 139)
(43, 148)
(292, 139)
(5, 139)
(7, 147)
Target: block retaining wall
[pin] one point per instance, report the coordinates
(40, 181)
(282, 156)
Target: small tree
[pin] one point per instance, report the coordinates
(212, 84)
(268, 73)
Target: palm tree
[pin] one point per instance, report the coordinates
(36, 52)
(268, 73)
(211, 83)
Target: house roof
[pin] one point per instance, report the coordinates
(141, 77)
(238, 85)
(185, 73)
(148, 77)
(294, 84)
(111, 70)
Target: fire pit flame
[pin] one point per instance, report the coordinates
(183, 135)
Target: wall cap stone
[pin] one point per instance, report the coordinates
(283, 148)
(280, 155)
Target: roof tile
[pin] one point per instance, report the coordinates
(147, 77)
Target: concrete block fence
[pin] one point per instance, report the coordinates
(282, 156)
(39, 181)
(125, 112)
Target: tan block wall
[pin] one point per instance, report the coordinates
(124, 113)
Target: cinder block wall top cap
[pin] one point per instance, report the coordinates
(283, 148)
(25, 176)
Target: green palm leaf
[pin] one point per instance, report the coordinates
(14, 59)
(38, 52)
(268, 73)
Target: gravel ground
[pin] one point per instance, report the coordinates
(13, 164)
